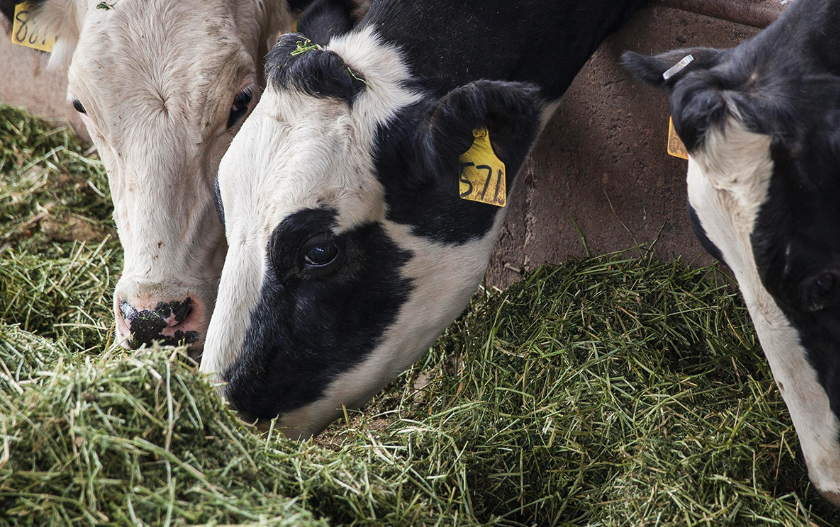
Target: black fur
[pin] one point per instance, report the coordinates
(325, 19)
(452, 43)
(315, 72)
(306, 331)
(784, 83)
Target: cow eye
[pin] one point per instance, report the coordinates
(321, 254)
(240, 106)
(77, 105)
(819, 292)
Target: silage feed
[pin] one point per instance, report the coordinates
(606, 392)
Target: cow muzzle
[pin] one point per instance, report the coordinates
(171, 323)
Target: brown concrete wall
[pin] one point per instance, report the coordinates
(602, 159)
(26, 81)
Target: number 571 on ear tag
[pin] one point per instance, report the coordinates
(483, 173)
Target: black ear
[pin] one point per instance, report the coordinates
(510, 111)
(325, 19)
(666, 69)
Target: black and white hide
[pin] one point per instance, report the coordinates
(351, 248)
(762, 124)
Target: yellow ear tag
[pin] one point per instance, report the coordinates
(483, 173)
(676, 147)
(24, 32)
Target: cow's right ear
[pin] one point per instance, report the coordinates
(666, 69)
(509, 111)
(61, 19)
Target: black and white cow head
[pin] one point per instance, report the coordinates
(162, 87)
(350, 248)
(762, 125)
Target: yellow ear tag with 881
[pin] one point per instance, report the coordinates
(482, 172)
(24, 33)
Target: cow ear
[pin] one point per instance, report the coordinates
(666, 69)
(509, 111)
(61, 19)
(325, 19)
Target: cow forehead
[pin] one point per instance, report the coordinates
(298, 152)
(143, 56)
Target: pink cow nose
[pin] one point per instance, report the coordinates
(171, 323)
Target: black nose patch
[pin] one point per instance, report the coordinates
(146, 325)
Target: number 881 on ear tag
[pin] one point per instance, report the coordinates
(25, 33)
(483, 173)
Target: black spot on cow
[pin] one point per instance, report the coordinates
(313, 324)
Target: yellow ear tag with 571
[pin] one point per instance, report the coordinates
(24, 32)
(676, 147)
(482, 172)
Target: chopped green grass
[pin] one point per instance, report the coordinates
(605, 392)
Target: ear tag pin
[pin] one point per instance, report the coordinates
(678, 67)
(482, 175)
(25, 33)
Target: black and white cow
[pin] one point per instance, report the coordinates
(350, 247)
(162, 87)
(762, 124)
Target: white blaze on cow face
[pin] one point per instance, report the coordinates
(303, 179)
(163, 87)
(728, 182)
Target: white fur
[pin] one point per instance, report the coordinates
(157, 79)
(727, 184)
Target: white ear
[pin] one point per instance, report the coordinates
(62, 19)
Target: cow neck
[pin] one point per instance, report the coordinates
(522, 37)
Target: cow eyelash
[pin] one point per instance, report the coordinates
(240, 106)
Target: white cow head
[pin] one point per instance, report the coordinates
(162, 87)
(350, 248)
(762, 125)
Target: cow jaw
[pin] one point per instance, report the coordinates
(728, 182)
(157, 93)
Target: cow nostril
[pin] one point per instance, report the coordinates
(180, 311)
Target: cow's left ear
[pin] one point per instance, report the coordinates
(510, 111)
